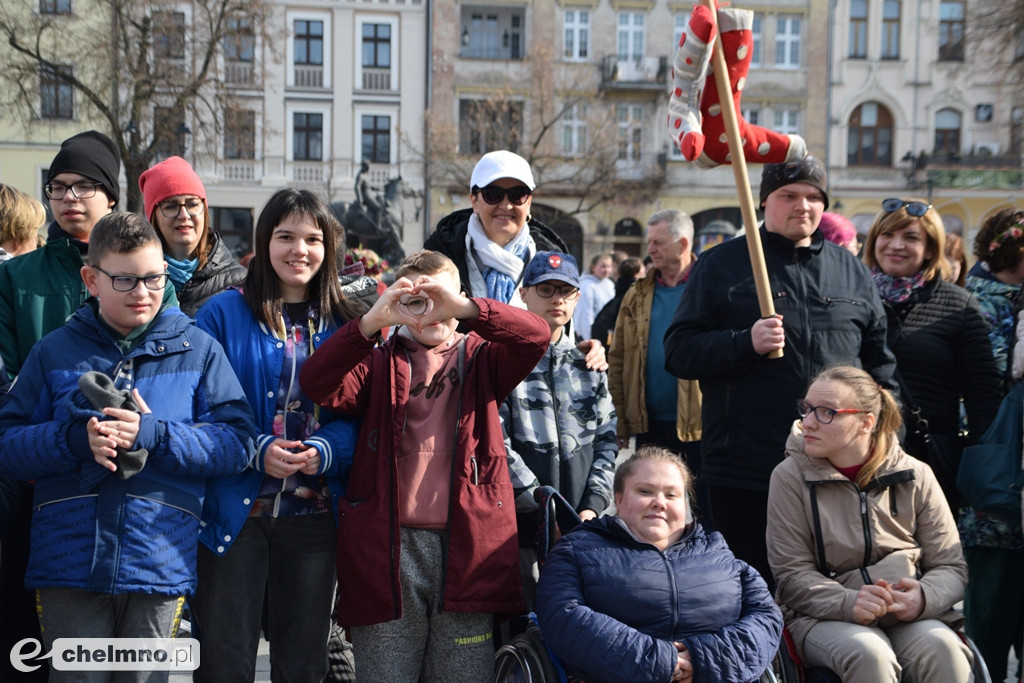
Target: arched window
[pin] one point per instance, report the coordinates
(947, 132)
(869, 142)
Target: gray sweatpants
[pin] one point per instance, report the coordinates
(426, 644)
(76, 613)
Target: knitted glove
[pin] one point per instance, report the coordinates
(101, 393)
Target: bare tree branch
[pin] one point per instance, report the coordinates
(137, 68)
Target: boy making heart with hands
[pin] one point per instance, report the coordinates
(427, 549)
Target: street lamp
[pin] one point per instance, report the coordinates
(911, 164)
(182, 135)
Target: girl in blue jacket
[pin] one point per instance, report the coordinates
(271, 529)
(648, 595)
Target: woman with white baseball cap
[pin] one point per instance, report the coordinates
(492, 241)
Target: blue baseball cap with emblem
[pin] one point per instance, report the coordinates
(551, 265)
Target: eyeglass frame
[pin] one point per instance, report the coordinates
(803, 409)
(48, 189)
(574, 292)
(136, 279)
(180, 206)
(912, 206)
(523, 191)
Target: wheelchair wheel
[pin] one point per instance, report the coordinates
(980, 668)
(525, 659)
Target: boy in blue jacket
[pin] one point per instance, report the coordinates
(121, 416)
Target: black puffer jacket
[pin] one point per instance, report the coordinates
(449, 238)
(941, 345)
(832, 315)
(221, 271)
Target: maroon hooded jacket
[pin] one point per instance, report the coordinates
(350, 376)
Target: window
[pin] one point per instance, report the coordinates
(169, 34)
(376, 139)
(308, 136)
(751, 116)
(574, 130)
(858, 29)
(630, 36)
(377, 46)
(239, 40)
(484, 38)
(787, 42)
(951, 31)
(631, 132)
(239, 134)
(55, 94)
(576, 23)
(309, 42)
(869, 141)
(55, 6)
(891, 29)
(486, 125)
(681, 21)
(755, 52)
(947, 132)
(787, 122)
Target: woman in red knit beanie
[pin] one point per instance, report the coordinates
(198, 263)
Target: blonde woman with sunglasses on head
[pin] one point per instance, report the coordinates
(938, 335)
(862, 544)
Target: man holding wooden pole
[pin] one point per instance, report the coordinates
(827, 312)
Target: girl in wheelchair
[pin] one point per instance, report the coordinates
(864, 549)
(648, 595)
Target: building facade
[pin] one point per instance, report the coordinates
(301, 102)
(612, 61)
(916, 110)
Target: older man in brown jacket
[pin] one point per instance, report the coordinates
(649, 402)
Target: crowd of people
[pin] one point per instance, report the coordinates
(289, 445)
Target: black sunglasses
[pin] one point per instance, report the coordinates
(492, 194)
(916, 209)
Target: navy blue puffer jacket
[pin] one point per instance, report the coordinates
(611, 607)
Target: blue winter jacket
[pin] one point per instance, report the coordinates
(258, 357)
(611, 607)
(123, 536)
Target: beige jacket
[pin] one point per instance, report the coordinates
(627, 363)
(910, 532)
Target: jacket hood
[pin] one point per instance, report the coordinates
(453, 227)
(785, 247)
(612, 526)
(170, 322)
(820, 469)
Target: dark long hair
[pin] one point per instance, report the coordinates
(263, 291)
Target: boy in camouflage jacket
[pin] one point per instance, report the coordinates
(560, 421)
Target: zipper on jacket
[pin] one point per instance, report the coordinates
(557, 470)
(675, 592)
(462, 364)
(829, 300)
(284, 416)
(866, 522)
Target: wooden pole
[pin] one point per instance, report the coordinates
(739, 171)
